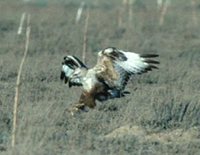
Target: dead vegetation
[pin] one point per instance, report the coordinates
(160, 116)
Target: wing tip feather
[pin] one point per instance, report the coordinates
(149, 55)
(149, 61)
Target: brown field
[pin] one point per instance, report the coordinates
(160, 116)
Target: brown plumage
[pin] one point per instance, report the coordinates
(108, 78)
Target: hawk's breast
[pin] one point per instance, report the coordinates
(90, 80)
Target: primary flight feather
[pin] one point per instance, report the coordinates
(109, 77)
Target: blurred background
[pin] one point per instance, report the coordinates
(160, 116)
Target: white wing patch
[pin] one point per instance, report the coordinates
(129, 63)
(134, 63)
(68, 71)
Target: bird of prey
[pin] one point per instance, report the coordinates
(108, 78)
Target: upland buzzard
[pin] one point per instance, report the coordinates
(108, 78)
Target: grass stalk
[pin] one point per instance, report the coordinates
(159, 4)
(16, 99)
(130, 10)
(79, 12)
(21, 23)
(119, 17)
(163, 12)
(85, 37)
(194, 15)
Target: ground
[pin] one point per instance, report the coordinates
(160, 116)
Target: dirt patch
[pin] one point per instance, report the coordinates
(176, 135)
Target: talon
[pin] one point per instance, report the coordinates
(80, 106)
(76, 108)
(73, 111)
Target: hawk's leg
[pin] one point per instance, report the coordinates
(86, 100)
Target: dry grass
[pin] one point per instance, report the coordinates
(18, 81)
(162, 114)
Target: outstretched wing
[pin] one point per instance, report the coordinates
(71, 70)
(126, 64)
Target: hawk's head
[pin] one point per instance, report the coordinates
(113, 53)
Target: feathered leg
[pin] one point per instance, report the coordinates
(86, 99)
